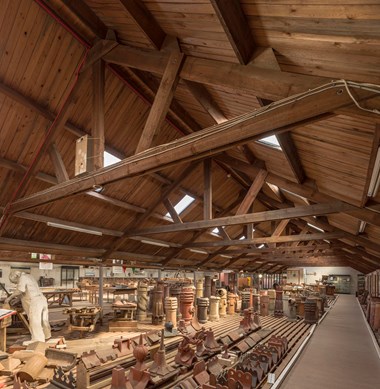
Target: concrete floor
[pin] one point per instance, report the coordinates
(340, 354)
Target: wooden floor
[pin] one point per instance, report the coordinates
(340, 355)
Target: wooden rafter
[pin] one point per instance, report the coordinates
(98, 85)
(308, 192)
(235, 25)
(206, 100)
(59, 165)
(173, 213)
(162, 100)
(207, 187)
(206, 142)
(296, 212)
(252, 192)
(145, 20)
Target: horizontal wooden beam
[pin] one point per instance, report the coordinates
(251, 78)
(288, 213)
(206, 142)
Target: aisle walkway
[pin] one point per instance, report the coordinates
(340, 354)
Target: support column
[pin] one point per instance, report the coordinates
(101, 304)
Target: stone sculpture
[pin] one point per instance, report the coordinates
(34, 304)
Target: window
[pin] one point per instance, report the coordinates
(270, 141)
(110, 159)
(182, 205)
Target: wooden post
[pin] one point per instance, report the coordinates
(101, 292)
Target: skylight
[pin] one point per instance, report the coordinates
(110, 159)
(182, 205)
(315, 227)
(271, 141)
(242, 237)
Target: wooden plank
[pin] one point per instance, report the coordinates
(252, 192)
(206, 100)
(287, 213)
(290, 151)
(254, 79)
(276, 239)
(17, 167)
(206, 142)
(98, 85)
(59, 166)
(173, 213)
(308, 192)
(144, 19)
(207, 187)
(371, 164)
(280, 227)
(234, 23)
(162, 100)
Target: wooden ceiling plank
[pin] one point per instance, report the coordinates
(254, 189)
(207, 188)
(287, 213)
(195, 146)
(234, 23)
(173, 213)
(98, 93)
(145, 20)
(162, 100)
(59, 165)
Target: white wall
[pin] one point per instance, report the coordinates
(313, 274)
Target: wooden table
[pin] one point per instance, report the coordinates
(59, 296)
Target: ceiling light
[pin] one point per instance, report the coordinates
(261, 246)
(198, 251)
(375, 178)
(225, 256)
(74, 228)
(362, 226)
(315, 227)
(155, 243)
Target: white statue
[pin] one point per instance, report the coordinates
(34, 304)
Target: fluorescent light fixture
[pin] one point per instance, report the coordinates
(327, 241)
(375, 178)
(198, 251)
(225, 256)
(242, 237)
(362, 226)
(110, 159)
(155, 243)
(74, 228)
(315, 227)
(261, 246)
